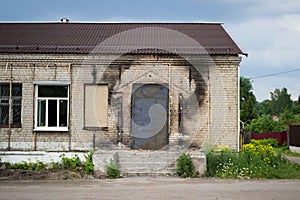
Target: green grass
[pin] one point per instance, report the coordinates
(284, 150)
(254, 161)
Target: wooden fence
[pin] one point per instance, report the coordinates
(294, 135)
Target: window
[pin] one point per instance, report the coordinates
(13, 118)
(51, 107)
(96, 106)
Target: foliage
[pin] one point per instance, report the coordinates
(247, 101)
(89, 165)
(254, 161)
(185, 166)
(270, 141)
(288, 112)
(280, 101)
(73, 163)
(284, 150)
(27, 165)
(70, 162)
(263, 124)
(112, 170)
(217, 158)
(264, 107)
(290, 115)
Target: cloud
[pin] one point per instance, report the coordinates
(270, 41)
(273, 44)
(263, 87)
(274, 7)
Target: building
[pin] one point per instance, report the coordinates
(84, 86)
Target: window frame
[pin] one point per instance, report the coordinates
(4, 99)
(37, 99)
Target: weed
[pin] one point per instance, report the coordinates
(284, 150)
(254, 161)
(70, 162)
(185, 166)
(27, 165)
(88, 165)
(112, 170)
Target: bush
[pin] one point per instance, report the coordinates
(254, 161)
(270, 141)
(70, 162)
(27, 165)
(217, 159)
(112, 170)
(185, 166)
(263, 124)
(88, 165)
(73, 163)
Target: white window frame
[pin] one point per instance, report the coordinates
(58, 99)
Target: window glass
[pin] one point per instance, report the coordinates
(63, 113)
(53, 91)
(52, 108)
(41, 112)
(52, 113)
(15, 116)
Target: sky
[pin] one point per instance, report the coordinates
(268, 30)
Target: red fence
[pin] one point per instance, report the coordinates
(280, 136)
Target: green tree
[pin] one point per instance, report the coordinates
(290, 116)
(264, 107)
(280, 101)
(263, 124)
(247, 101)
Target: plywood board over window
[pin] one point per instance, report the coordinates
(96, 106)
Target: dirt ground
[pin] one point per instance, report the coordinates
(150, 188)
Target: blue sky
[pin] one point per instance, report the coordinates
(268, 30)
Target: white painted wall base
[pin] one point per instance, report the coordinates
(33, 156)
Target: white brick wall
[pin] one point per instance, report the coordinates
(215, 121)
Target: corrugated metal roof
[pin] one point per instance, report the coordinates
(139, 38)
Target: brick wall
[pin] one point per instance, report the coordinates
(209, 90)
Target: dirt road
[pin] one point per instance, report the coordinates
(151, 188)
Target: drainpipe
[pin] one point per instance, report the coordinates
(169, 113)
(33, 109)
(10, 111)
(70, 104)
(208, 105)
(238, 111)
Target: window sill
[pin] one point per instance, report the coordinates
(95, 128)
(12, 126)
(51, 129)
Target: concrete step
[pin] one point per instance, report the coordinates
(133, 162)
(159, 162)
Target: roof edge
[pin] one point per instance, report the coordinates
(109, 22)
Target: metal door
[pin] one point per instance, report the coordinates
(149, 114)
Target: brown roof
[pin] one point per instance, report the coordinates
(185, 38)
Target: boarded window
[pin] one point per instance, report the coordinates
(96, 105)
